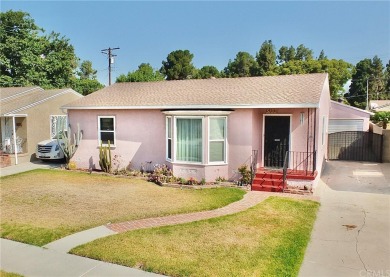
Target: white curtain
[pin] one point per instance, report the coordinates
(189, 140)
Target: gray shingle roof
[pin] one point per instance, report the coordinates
(10, 92)
(16, 100)
(287, 90)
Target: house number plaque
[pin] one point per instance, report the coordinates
(271, 111)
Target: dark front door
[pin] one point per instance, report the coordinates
(276, 140)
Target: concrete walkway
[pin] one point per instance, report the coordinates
(23, 167)
(53, 260)
(351, 235)
(250, 199)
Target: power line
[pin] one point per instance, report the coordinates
(110, 56)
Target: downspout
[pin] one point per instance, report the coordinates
(307, 135)
(314, 141)
(14, 131)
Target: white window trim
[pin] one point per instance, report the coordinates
(174, 160)
(167, 138)
(99, 131)
(224, 162)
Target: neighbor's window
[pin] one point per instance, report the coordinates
(189, 139)
(217, 139)
(169, 138)
(107, 129)
(57, 122)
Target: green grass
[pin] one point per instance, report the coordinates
(8, 274)
(41, 206)
(267, 240)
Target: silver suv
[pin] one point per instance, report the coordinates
(50, 149)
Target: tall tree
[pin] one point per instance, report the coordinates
(178, 65)
(387, 79)
(86, 82)
(304, 53)
(86, 71)
(86, 86)
(28, 57)
(369, 77)
(339, 72)
(244, 65)
(286, 54)
(358, 88)
(207, 72)
(266, 58)
(144, 73)
(377, 78)
(322, 56)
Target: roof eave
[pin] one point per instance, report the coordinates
(243, 106)
(351, 107)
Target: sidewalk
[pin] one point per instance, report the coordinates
(29, 260)
(23, 167)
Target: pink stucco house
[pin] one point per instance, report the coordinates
(208, 128)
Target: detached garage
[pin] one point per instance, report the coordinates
(347, 118)
(341, 125)
(349, 137)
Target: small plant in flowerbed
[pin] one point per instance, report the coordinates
(220, 179)
(162, 174)
(191, 181)
(245, 175)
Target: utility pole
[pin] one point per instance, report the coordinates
(110, 56)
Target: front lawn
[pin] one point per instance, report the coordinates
(8, 274)
(267, 240)
(40, 206)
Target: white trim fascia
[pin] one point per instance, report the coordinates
(243, 106)
(20, 93)
(196, 113)
(346, 118)
(39, 102)
(351, 107)
(14, 115)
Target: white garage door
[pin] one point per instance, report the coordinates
(341, 125)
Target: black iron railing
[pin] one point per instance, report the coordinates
(285, 167)
(301, 163)
(253, 166)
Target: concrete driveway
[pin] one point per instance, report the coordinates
(357, 176)
(23, 167)
(351, 235)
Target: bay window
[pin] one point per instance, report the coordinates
(189, 139)
(197, 138)
(217, 139)
(106, 129)
(169, 138)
